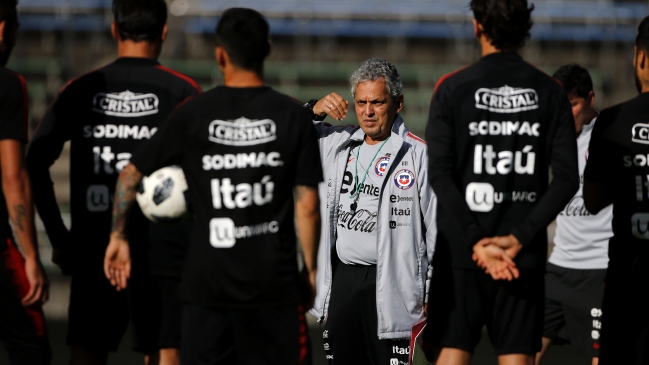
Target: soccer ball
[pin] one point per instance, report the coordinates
(161, 195)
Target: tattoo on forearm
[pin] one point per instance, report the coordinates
(20, 215)
(124, 198)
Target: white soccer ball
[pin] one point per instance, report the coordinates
(161, 195)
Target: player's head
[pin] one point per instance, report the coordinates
(578, 86)
(140, 20)
(8, 28)
(242, 40)
(505, 24)
(641, 56)
(377, 91)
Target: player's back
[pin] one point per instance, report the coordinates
(619, 152)
(107, 114)
(243, 151)
(506, 122)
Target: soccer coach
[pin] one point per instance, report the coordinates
(378, 241)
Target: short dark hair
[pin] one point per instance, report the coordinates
(243, 33)
(507, 23)
(575, 80)
(8, 10)
(140, 20)
(642, 39)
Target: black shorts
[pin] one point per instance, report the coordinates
(22, 329)
(625, 324)
(156, 313)
(99, 315)
(462, 301)
(268, 336)
(573, 307)
(351, 333)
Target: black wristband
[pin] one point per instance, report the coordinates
(309, 105)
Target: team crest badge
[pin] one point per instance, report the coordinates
(404, 179)
(381, 166)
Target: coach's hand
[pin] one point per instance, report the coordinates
(39, 286)
(510, 244)
(333, 105)
(117, 261)
(495, 261)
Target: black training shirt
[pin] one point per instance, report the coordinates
(243, 150)
(618, 158)
(13, 125)
(106, 114)
(493, 130)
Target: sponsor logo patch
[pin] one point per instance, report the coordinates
(242, 132)
(398, 199)
(224, 234)
(98, 198)
(640, 225)
(506, 99)
(640, 133)
(125, 104)
(404, 179)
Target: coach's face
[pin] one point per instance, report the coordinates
(376, 109)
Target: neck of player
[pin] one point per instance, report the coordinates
(142, 49)
(239, 78)
(488, 48)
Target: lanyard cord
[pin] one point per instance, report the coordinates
(359, 187)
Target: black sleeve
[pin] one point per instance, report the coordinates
(565, 170)
(13, 108)
(45, 149)
(308, 165)
(600, 153)
(440, 136)
(165, 147)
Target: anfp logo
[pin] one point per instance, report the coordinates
(404, 179)
(480, 197)
(381, 166)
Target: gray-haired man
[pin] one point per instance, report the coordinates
(378, 243)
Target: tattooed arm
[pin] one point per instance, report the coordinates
(117, 261)
(18, 196)
(307, 216)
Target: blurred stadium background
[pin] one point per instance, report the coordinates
(316, 46)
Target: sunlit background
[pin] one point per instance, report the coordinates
(315, 47)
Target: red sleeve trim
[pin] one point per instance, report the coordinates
(443, 78)
(416, 138)
(181, 76)
(23, 86)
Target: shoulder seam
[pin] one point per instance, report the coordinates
(443, 78)
(186, 78)
(543, 72)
